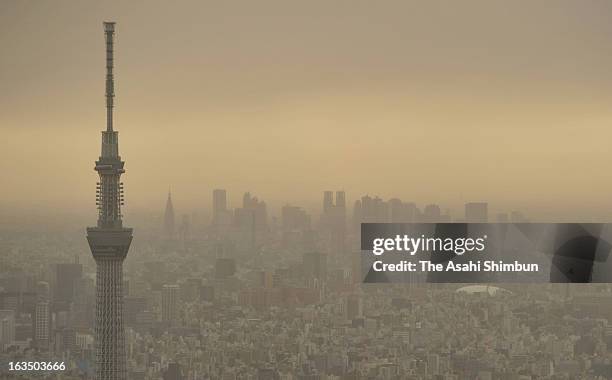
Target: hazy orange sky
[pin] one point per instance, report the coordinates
(428, 101)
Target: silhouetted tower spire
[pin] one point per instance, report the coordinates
(109, 166)
(169, 217)
(109, 32)
(109, 241)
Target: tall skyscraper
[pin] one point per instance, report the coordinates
(7, 328)
(109, 241)
(43, 290)
(41, 325)
(328, 200)
(333, 221)
(221, 216)
(219, 204)
(169, 218)
(341, 199)
(67, 277)
(251, 221)
(169, 303)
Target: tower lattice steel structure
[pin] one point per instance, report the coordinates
(109, 241)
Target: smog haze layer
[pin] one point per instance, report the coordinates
(431, 102)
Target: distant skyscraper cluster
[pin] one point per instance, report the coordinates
(376, 210)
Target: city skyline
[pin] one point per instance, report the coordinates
(349, 104)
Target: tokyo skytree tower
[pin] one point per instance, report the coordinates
(109, 241)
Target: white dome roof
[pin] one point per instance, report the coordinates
(478, 289)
